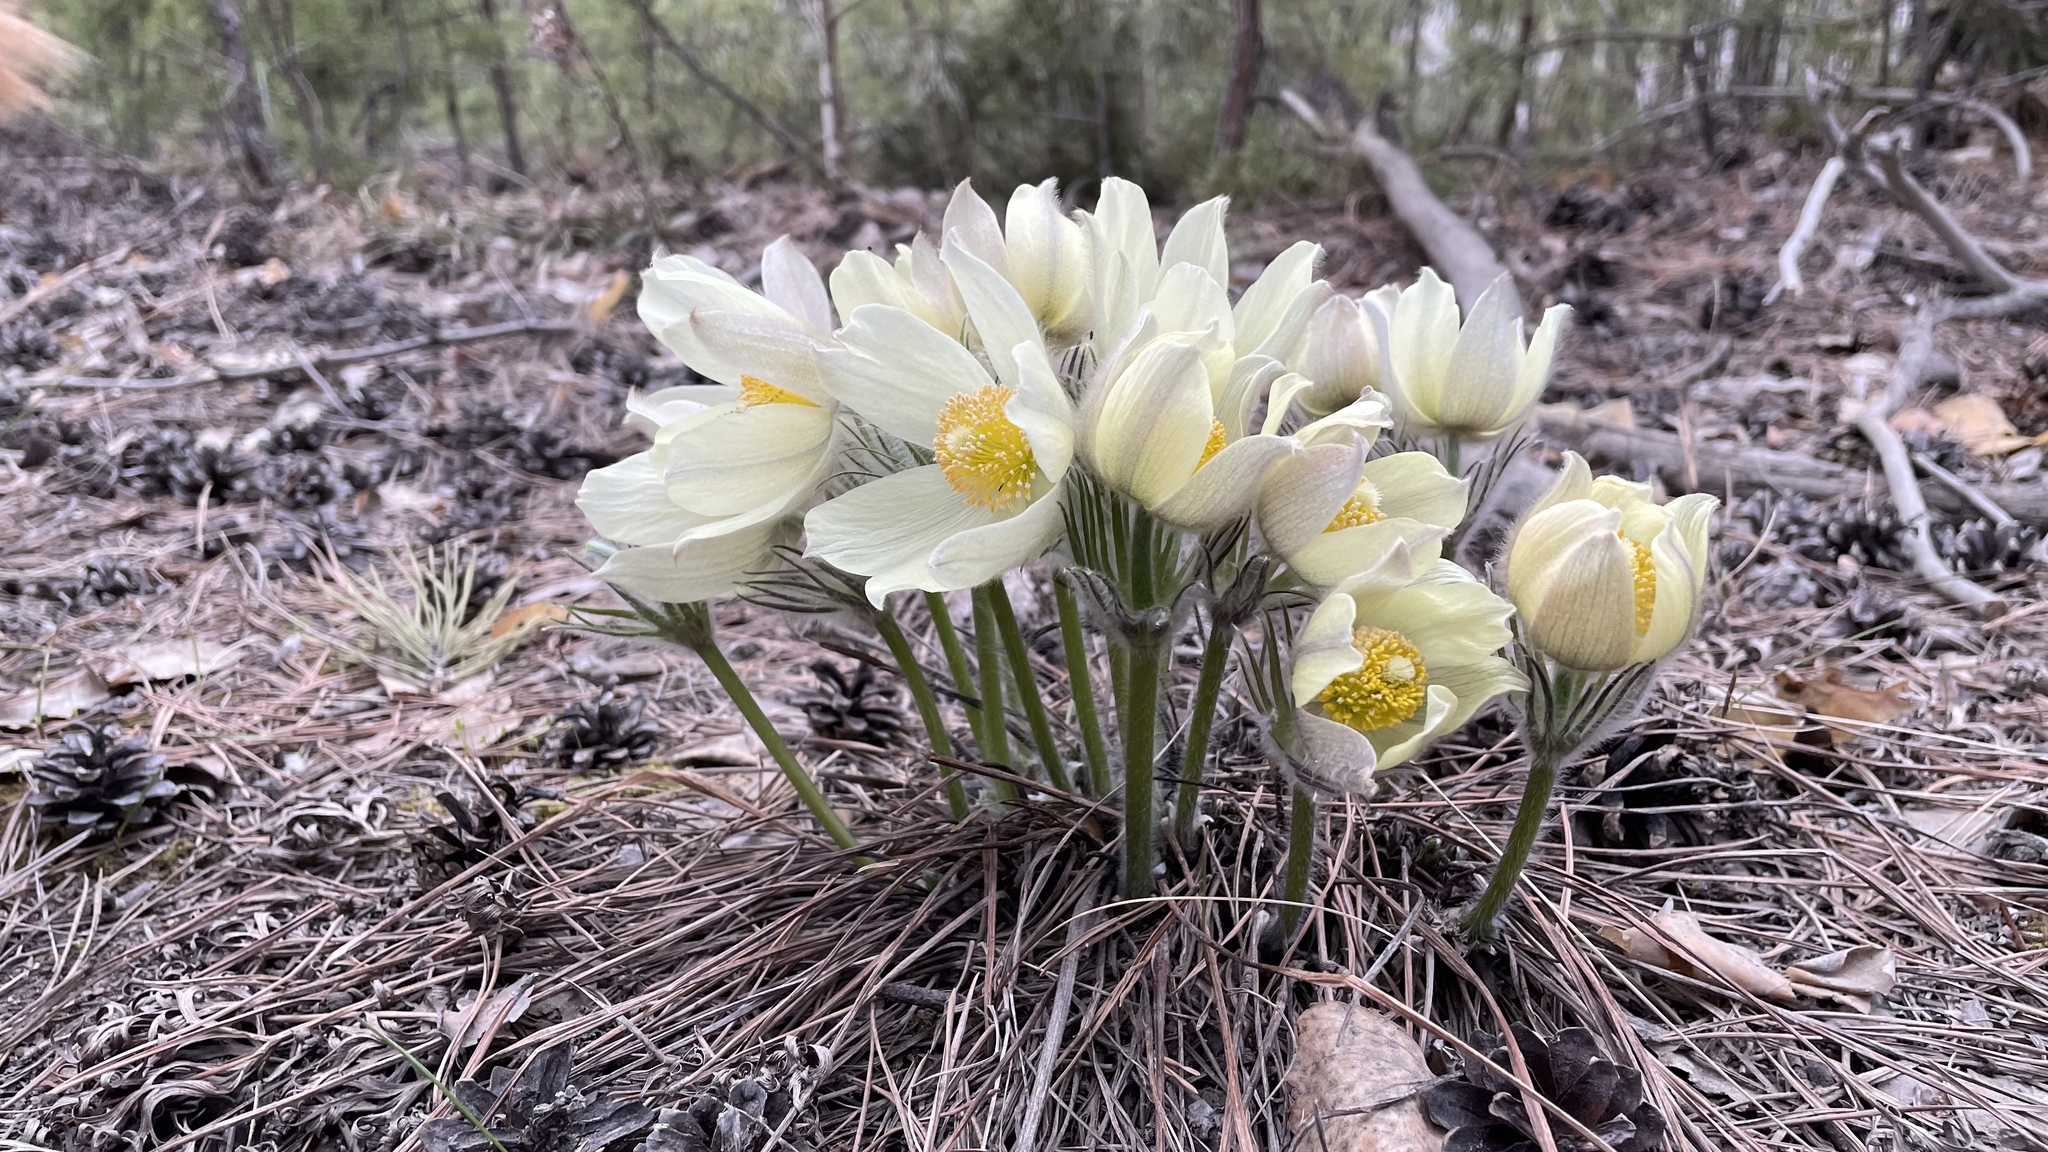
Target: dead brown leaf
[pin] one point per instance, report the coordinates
(160, 660)
(524, 619)
(58, 699)
(1356, 1083)
(1980, 425)
(1685, 948)
(600, 309)
(1853, 976)
(1827, 695)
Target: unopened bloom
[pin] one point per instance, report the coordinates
(1340, 352)
(1603, 576)
(1001, 434)
(1393, 659)
(1478, 380)
(1331, 513)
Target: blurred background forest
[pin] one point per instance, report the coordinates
(1182, 95)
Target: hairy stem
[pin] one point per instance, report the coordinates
(1301, 850)
(1139, 716)
(1201, 719)
(1027, 687)
(1479, 920)
(750, 708)
(988, 661)
(927, 707)
(957, 666)
(1074, 644)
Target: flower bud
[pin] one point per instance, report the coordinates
(1602, 575)
(1341, 355)
(1479, 379)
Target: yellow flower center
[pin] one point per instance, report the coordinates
(1388, 688)
(1362, 508)
(1214, 445)
(755, 392)
(985, 456)
(1646, 584)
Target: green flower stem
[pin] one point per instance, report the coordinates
(988, 661)
(708, 651)
(1448, 450)
(1139, 715)
(1301, 850)
(956, 656)
(1027, 687)
(1201, 718)
(1479, 920)
(1074, 643)
(927, 707)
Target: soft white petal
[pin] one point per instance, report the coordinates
(865, 278)
(1337, 759)
(1047, 251)
(648, 411)
(897, 372)
(747, 457)
(699, 570)
(1574, 482)
(733, 345)
(1450, 622)
(1303, 494)
(1190, 300)
(1397, 744)
(999, 314)
(1198, 239)
(1532, 371)
(791, 282)
(626, 502)
(1122, 224)
(1363, 418)
(1416, 485)
(981, 554)
(1421, 332)
(1331, 559)
(1251, 377)
(1262, 307)
(887, 530)
(973, 222)
(1041, 408)
(1323, 650)
(1153, 421)
(1340, 353)
(1479, 378)
(1228, 485)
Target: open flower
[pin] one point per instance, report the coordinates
(1331, 513)
(1001, 434)
(1394, 659)
(1478, 380)
(1605, 577)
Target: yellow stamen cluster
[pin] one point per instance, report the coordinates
(755, 392)
(1215, 444)
(1362, 508)
(1645, 582)
(1388, 688)
(986, 457)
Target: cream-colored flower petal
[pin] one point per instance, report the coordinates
(1227, 486)
(747, 457)
(1251, 378)
(1301, 495)
(628, 503)
(1421, 331)
(1363, 419)
(1479, 377)
(1340, 354)
(675, 286)
(897, 372)
(1048, 253)
(1280, 401)
(1450, 621)
(1198, 239)
(1189, 300)
(979, 555)
(1546, 533)
(1580, 607)
(646, 412)
(927, 272)
(1338, 760)
(1533, 369)
(1692, 518)
(970, 218)
(1398, 743)
(1152, 421)
(791, 282)
(864, 278)
(1041, 408)
(1398, 568)
(1679, 583)
(699, 570)
(1323, 650)
(1416, 485)
(1475, 685)
(1574, 482)
(1329, 559)
(1122, 224)
(734, 345)
(888, 529)
(1266, 302)
(1000, 316)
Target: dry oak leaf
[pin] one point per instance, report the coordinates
(1827, 695)
(1356, 1084)
(1853, 976)
(1685, 948)
(1980, 425)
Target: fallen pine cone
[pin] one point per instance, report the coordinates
(1485, 1113)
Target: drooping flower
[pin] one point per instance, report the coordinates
(1391, 660)
(1605, 577)
(1331, 512)
(1001, 435)
(1478, 380)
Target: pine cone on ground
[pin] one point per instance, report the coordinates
(851, 707)
(536, 1111)
(95, 778)
(1484, 1112)
(602, 735)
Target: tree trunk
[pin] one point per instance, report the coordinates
(825, 22)
(1508, 115)
(1247, 53)
(283, 42)
(501, 83)
(242, 113)
(452, 94)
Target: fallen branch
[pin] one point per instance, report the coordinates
(296, 362)
(1724, 466)
(1872, 420)
(1454, 247)
(1809, 223)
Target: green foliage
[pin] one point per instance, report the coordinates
(1002, 90)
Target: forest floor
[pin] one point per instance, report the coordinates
(367, 877)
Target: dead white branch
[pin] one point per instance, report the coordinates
(1809, 224)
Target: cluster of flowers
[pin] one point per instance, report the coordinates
(1059, 387)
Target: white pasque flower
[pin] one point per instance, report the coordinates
(1001, 434)
(1340, 353)
(1603, 575)
(1331, 512)
(1478, 380)
(729, 460)
(1393, 659)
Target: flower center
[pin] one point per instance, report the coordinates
(1363, 508)
(755, 392)
(987, 458)
(1215, 444)
(1645, 582)
(1389, 688)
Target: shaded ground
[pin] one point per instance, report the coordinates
(242, 973)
